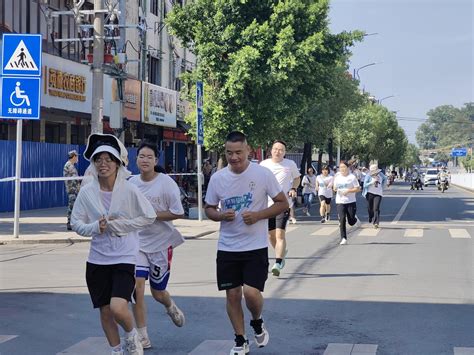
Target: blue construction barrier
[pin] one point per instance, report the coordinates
(40, 160)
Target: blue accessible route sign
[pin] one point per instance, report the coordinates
(21, 54)
(20, 98)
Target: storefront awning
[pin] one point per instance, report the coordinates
(184, 126)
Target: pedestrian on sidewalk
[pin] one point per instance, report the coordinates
(237, 196)
(374, 183)
(72, 186)
(309, 190)
(324, 184)
(111, 210)
(288, 176)
(346, 186)
(158, 240)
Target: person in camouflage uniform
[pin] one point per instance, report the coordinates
(72, 186)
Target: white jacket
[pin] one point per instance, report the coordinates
(129, 212)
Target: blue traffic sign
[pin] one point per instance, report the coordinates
(199, 106)
(20, 98)
(21, 54)
(459, 152)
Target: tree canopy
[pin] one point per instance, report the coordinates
(266, 64)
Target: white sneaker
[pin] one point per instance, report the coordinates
(358, 223)
(343, 241)
(133, 346)
(146, 343)
(308, 214)
(176, 315)
(120, 352)
(241, 350)
(262, 338)
(293, 220)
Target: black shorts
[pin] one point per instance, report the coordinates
(235, 269)
(325, 199)
(279, 221)
(107, 281)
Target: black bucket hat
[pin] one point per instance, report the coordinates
(97, 140)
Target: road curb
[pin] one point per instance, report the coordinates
(468, 189)
(77, 240)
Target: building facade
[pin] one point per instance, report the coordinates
(152, 109)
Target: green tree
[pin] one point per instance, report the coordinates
(372, 133)
(411, 156)
(263, 63)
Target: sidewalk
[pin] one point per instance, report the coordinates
(49, 226)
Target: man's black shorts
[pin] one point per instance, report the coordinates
(279, 221)
(107, 281)
(325, 199)
(242, 267)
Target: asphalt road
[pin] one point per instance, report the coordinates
(406, 288)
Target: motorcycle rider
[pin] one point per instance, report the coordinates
(415, 178)
(443, 176)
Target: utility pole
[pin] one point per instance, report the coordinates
(97, 70)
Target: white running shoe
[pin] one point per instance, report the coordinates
(240, 350)
(176, 315)
(120, 352)
(146, 343)
(358, 223)
(293, 220)
(276, 269)
(262, 338)
(133, 346)
(343, 241)
(308, 214)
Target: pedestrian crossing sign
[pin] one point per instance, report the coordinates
(21, 54)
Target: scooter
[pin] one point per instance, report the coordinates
(416, 183)
(443, 185)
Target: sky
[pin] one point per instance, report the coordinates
(424, 50)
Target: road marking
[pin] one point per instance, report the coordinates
(459, 233)
(90, 346)
(463, 351)
(214, 347)
(369, 232)
(413, 233)
(402, 210)
(350, 349)
(5, 338)
(325, 231)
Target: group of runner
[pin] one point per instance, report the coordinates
(133, 238)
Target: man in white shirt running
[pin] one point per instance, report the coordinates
(237, 196)
(288, 176)
(157, 241)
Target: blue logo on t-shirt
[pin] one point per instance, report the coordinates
(238, 202)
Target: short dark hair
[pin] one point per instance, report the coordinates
(113, 157)
(344, 162)
(149, 145)
(279, 141)
(325, 167)
(236, 136)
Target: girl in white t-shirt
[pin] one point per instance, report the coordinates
(324, 184)
(346, 186)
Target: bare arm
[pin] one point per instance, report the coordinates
(216, 215)
(280, 204)
(167, 216)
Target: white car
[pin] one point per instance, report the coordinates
(431, 177)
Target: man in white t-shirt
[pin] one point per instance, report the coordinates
(237, 196)
(157, 241)
(288, 176)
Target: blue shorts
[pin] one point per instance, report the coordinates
(157, 266)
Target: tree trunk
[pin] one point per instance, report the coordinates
(330, 152)
(320, 162)
(306, 159)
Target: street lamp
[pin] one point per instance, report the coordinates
(385, 98)
(356, 70)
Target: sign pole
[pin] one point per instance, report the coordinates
(16, 222)
(200, 139)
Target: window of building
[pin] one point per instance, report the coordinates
(154, 7)
(154, 70)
